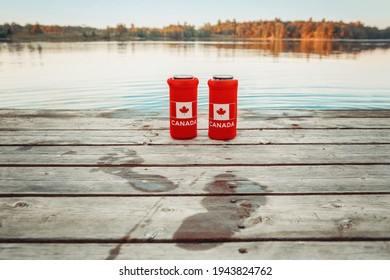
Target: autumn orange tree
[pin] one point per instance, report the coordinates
(261, 29)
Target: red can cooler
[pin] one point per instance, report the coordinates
(222, 107)
(183, 96)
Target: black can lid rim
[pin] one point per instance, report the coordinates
(223, 77)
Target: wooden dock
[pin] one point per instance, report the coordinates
(114, 185)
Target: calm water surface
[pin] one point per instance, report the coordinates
(117, 75)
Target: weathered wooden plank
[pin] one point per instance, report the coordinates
(80, 123)
(81, 137)
(181, 219)
(130, 119)
(194, 180)
(378, 250)
(195, 155)
(143, 123)
(131, 137)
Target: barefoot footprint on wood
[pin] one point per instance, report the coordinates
(122, 162)
(225, 216)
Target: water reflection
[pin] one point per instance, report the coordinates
(132, 75)
(297, 48)
(305, 48)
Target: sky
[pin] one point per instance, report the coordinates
(148, 13)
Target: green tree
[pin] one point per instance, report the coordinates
(5, 31)
(385, 34)
(36, 29)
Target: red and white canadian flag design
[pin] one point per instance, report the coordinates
(182, 110)
(222, 112)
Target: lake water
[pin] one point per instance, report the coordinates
(272, 75)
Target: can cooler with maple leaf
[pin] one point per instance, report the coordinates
(222, 107)
(183, 97)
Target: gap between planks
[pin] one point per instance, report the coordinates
(190, 241)
(198, 165)
(199, 128)
(21, 195)
(190, 144)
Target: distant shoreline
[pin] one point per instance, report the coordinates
(227, 30)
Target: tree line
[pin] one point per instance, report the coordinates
(262, 29)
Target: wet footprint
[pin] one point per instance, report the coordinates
(111, 164)
(225, 215)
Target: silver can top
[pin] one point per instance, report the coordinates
(223, 77)
(183, 77)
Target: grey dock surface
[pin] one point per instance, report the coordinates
(113, 185)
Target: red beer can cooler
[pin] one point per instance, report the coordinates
(222, 107)
(183, 96)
